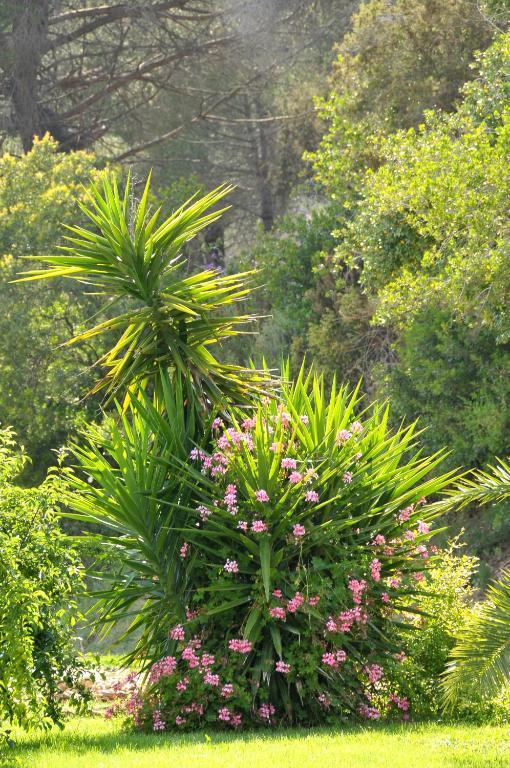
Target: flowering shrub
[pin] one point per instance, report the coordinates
(308, 540)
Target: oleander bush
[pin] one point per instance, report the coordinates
(39, 578)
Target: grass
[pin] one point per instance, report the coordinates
(96, 743)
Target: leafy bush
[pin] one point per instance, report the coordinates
(39, 577)
(303, 540)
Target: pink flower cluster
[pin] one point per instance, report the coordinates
(266, 711)
(298, 531)
(375, 569)
(357, 587)
(262, 495)
(231, 566)
(240, 645)
(281, 666)
(230, 499)
(295, 602)
(158, 724)
(184, 550)
(227, 690)
(374, 673)
(334, 659)
(371, 713)
(288, 463)
(295, 477)
(343, 436)
(277, 612)
(402, 703)
(347, 477)
(165, 666)
(258, 526)
(204, 512)
(177, 633)
(312, 497)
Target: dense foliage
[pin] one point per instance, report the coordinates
(40, 576)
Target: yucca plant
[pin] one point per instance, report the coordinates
(480, 660)
(305, 539)
(169, 320)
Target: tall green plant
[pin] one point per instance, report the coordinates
(169, 320)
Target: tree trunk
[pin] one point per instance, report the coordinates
(29, 30)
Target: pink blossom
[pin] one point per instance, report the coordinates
(334, 659)
(177, 633)
(258, 526)
(347, 477)
(266, 711)
(409, 535)
(184, 550)
(210, 679)
(295, 477)
(312, 496)
(240, 645)
(165, 666)
(356, 427)
(180, 720)
(298, 530)
(182, 684)
(296, 602)
(207, 660)
(281, 666)
(357, 588)
(304, 419)
(217, 423)
(158, 724)
(277, 593)
(419, 576)
(331, 625)
(274, 447)
(423, 527)
(342, 436)
(375, 570)
(374, 672)
(405, 514)
(262, 495)
(379, 540)
(231, 566)
(249, 423)
(289, 463)
(313, 600)
(224, 714)
(277, 613)
(371, 713)
(227, 690)
(422, 550)
(285, 419)
(204, 512)
(242, 525)
(385, 597)
(236, 720)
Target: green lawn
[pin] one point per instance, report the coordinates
(96, 743)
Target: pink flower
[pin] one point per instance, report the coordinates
(357, 588)
(231, 566)
(184, 550)
(296, 602)
(207, 659)
(385, 597)
(313, 600)
(422, 550)
(274, 447)
(277, 593)
(258, 526)
(324, 700)
(347, 477)
(371, 713)
(227, 690)
(312, 496)
(249, 423)
(240, 645)
(242, 525)
(217, 423)
(182, 684)
(298, 530)
(374, 673)
(334, 659)
(236, 720)
(262, 495)
(409, 535)
(224, 714)
(177, 633)
(158, 724)
(295, 477)
(379, 540)
(404, 515)
(180, 720)
(419, 576)
(375, 570)
(423, 527)
(356, 427)
(342, 436)
(210, 679)
(165, 666)
(204, 512)
(304, 419)
(277, 613)
(289, 463)
(281, 666)
(266, 711)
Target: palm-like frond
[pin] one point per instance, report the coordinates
(483, 487)
(171, 319)
(481, 658)
(125, 481)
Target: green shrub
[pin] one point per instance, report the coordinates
(39, 576)
(303, 540)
